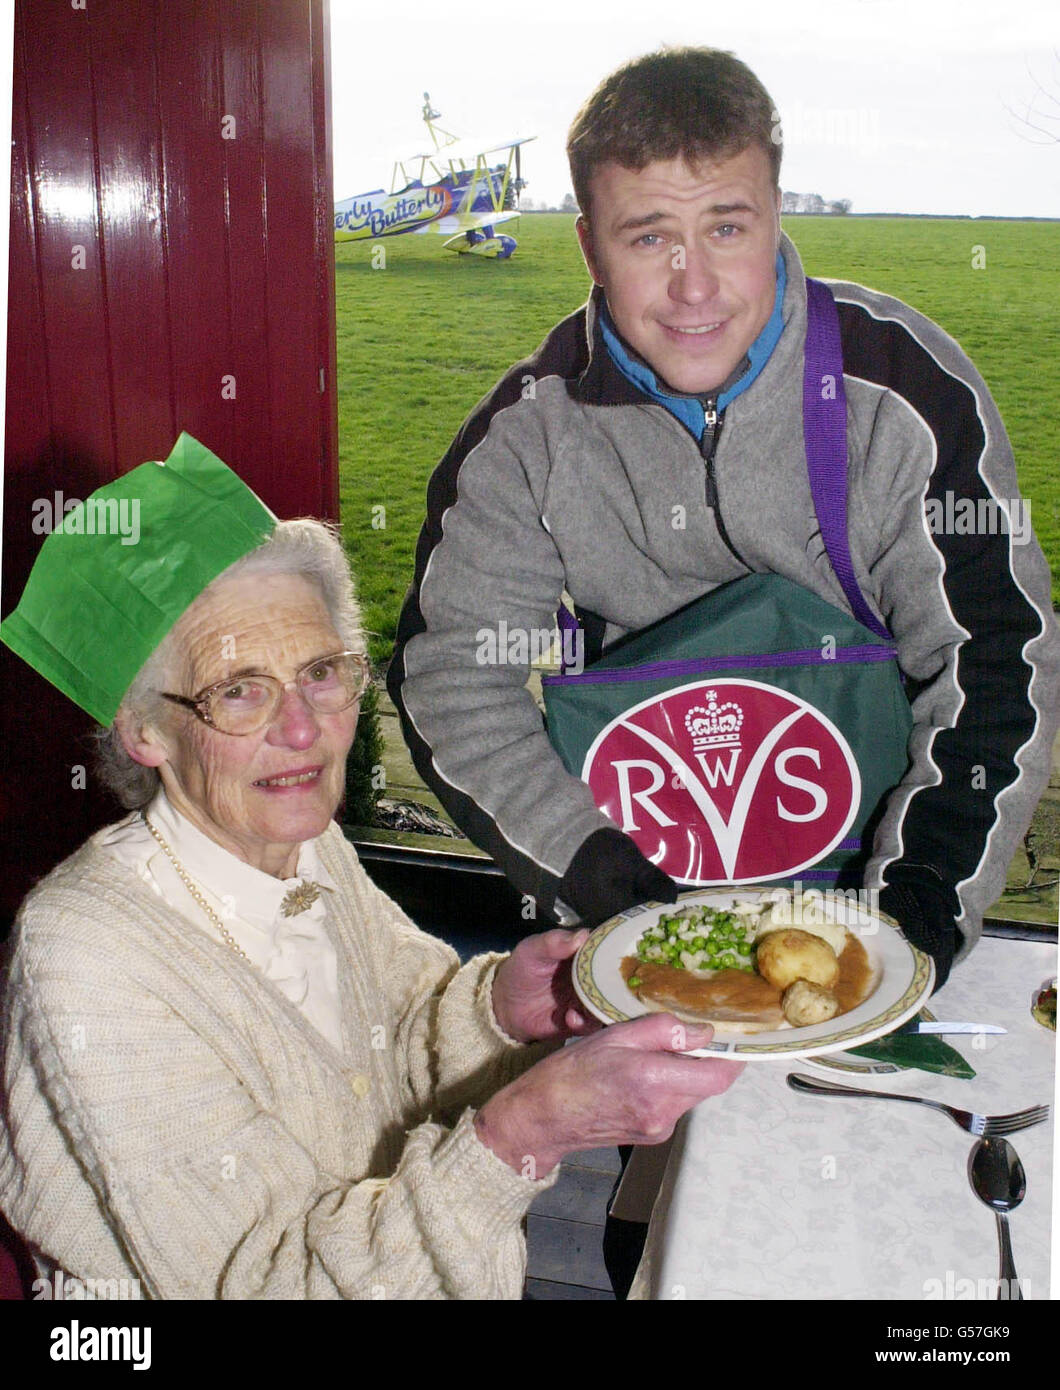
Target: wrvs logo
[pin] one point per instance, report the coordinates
(728, 782)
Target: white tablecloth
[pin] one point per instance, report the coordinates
(771, 1194)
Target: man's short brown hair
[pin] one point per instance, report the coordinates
(699, 103)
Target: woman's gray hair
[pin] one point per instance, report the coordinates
(311, 549)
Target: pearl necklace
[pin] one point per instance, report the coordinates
(196, 893)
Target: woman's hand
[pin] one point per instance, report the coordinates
(533, 997)
(627, 1084)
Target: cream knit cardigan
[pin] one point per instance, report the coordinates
(169, 1116)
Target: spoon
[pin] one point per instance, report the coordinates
(998, 1179)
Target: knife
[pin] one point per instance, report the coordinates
(921, 1025)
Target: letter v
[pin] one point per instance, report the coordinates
(727, 834)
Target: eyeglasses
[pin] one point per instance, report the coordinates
(244, 704)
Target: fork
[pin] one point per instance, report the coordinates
(985, 1126)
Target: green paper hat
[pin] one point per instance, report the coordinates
(122, 567)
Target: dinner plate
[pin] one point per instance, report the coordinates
(903, 975)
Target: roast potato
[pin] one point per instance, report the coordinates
(805, 1003)
(805, 912)
(790, 955)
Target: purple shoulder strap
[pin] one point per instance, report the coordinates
(824, 424)
(566, 620)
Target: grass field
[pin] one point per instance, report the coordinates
(420, 341)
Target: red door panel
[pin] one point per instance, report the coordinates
(171, 267)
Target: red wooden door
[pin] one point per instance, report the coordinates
(171, 267)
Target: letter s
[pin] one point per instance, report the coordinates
(820, 796)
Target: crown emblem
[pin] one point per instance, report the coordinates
(716, 726)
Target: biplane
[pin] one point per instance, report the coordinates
(452, 191)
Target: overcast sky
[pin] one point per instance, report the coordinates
(899, 105)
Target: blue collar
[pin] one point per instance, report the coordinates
(689, 409)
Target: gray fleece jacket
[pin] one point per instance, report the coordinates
(566, 476)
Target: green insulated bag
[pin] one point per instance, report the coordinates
(756, 749)
(753, 735)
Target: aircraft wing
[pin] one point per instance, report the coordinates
(464, 221)
(467, 151)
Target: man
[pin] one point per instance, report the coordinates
(679, 386)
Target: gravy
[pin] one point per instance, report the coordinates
(738, 996)
(732, 995)
(855, 975)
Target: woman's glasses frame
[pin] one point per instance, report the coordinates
(200, 704)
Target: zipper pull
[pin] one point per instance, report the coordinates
(710, 427)
(707, 443)
(708, 447)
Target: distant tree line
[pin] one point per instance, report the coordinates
(567, 205)
(790, 202)
(814, 203)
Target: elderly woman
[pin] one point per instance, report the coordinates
(232, 1067)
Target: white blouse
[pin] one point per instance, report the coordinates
(294, 952)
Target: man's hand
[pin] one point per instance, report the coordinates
(608, 874)
(533, 997)
(927, 915)
(624, 1085)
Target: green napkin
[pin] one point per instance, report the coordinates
(920, 1051)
